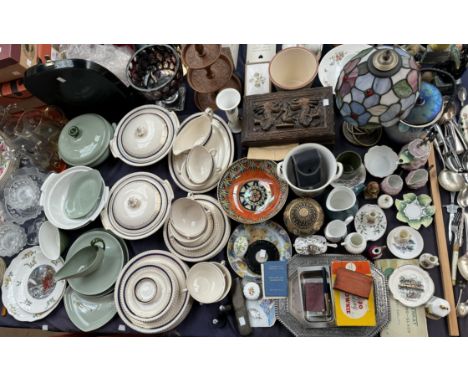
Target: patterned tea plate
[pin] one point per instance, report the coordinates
(371, 222)
(251, 192)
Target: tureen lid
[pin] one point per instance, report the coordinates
(136, 205)
(84, 139)
(145, 135)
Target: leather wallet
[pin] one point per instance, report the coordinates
(352, 282)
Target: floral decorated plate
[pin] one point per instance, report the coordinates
(332, 63)
(251, 192)
(265, 241)
(415, 210)
(411, 285)
(410, 248)
(12, 284)
(371, 222)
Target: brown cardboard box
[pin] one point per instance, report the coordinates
(15, 92)
(15, 59)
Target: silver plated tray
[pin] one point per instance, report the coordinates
(300, 328)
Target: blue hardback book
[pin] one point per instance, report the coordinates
(275, 279)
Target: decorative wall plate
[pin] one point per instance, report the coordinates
(251, 192)
(268, 236)
(415, 210)
(371, 222)
(411, 285)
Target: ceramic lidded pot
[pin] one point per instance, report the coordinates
(392, 184)
(414, 155)
(145, 135)
(417, 178)
(303, 216)
(84, 141)
(138, 206)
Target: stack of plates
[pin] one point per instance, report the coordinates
(29, 291)
(151, 293)
(210, 242)
(138, 206)
(220, 143)
(89, 300)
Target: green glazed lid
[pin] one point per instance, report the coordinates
(84, 139)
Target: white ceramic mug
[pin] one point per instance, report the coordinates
(336, 230)
(334, 168)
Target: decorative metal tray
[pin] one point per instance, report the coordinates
(302, 328)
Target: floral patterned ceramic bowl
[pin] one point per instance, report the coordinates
(415, 210)
(251, 192)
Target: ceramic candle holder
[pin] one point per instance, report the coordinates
(228, 100)
(402, 237)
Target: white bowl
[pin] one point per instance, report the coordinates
(51, 240)
(188, 217)
(53, 198)
(227, 277)
(381, 161)
(206, 282)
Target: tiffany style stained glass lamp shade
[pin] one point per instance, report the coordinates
(378, 87)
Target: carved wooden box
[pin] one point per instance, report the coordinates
(304, 115)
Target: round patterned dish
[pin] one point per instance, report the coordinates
(251, 192)
(269, 236)
(411, 285)
(303, 216)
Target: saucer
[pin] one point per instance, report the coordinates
(371, 232)
(409, 250)
(411, 285)
(354, 181)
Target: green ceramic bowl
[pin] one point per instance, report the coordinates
(103, 279)
(89, 313)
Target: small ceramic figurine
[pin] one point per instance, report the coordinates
(437, 308)
(372, 190)
(385, 201)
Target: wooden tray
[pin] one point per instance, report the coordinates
(304, 115)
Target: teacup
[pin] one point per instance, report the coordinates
(417, 178)
(330, 169)
(341, 203)
(402, 237)
(355, 243)
(392, 185)
(428, 261)
(336, 230)
(188, 217)
(351, 162)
